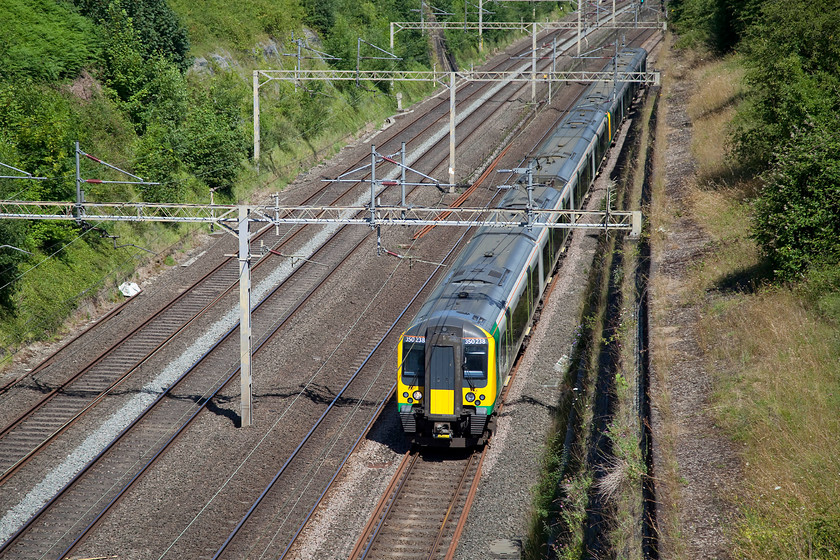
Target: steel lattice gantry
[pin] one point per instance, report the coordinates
(238, 219)
(230, 217)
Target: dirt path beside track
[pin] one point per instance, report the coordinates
(697, 465)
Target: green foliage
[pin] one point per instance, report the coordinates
(44, 40)
(793, 59)
(797, 215)
(157, 161)
(150, 88)
(822, 290)
(787, 125)
(320, 14)
(11, 233)
(41, 126)
(717, 24)
(158, 27)
(213, 142)
(241, 25)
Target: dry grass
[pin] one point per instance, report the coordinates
(778, 392)
(777, 364)
(711, 110)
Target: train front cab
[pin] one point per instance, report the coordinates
(447, 386)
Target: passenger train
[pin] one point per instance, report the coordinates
(454, 359)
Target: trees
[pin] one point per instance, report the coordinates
(158, 28)
(786, 129)
(797, 215)
(793, 57)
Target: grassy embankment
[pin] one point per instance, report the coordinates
(774, 351)
(81, 276)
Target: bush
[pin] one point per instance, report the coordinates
(797, 214)
(44, 40)
(158, 27)
(213, 141)
(792, 55)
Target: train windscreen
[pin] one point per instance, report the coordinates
(414, 364)
(475, 364)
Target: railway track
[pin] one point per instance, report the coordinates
(99, 493)
(419, 515)
(110, 474)
(38, 426)
(387, 535)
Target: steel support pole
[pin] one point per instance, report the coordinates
(257, 119)
(372, 184)
(533, 62)
(245, 317)
(480, 25)
(578, 26)
(553, 66)
(402, 175)
(392, 50)
(79, 200)
(613, 18)
(451, 130)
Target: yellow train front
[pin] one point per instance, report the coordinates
(447, 384)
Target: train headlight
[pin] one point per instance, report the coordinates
(405, 395)
(470, 397)
(481, 398)
(417, 395)
(410, 401)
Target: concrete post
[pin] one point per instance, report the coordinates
(451, 130)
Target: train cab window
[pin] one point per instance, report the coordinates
(414, 364)
(475, 365)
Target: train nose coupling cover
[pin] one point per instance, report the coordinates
(442, 430)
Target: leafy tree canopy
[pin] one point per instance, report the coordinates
(793, 56)
(159, 29)
(44, 40)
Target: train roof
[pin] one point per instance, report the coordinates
(475, 290)
(557, 157)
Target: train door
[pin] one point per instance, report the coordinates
(444, 371)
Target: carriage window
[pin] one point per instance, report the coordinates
(503, 348)
(547, 256)
(414, 364)
(520, 320)
(534, 283)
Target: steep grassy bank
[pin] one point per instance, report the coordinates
(772, 350)
(114, 77)
(776, 357)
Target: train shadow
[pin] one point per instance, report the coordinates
(387, 430)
